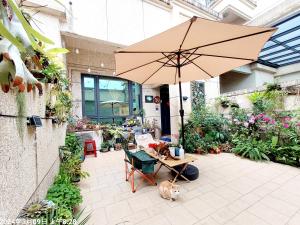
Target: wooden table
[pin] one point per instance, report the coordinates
(171, 163)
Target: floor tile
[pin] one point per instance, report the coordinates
(268, 214)
(179, 215)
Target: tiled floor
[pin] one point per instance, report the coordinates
(229, 190)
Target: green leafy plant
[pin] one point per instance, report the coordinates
(73, 143)
(72, 167)
(64, 195)
(251, 148)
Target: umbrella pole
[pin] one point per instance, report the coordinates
(181, 111)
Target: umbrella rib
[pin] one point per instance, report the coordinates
(156, 71)
(193, 19)
(168, 56)
(231, 39)
(193, 53)
(162, 52)
(223, 56)
(140, 66)
(199, 67)
(189, 61)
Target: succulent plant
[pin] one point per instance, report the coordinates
(37, 209)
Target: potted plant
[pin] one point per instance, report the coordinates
(118, 146)
(104, 146)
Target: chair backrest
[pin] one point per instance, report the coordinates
(144, 140)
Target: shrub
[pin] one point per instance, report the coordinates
(251, 148)
(65, 195)
(73, 143)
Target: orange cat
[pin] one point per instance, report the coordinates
(168, 190)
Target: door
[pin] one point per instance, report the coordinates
(165, 110)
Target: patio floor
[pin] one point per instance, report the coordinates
(229, 190)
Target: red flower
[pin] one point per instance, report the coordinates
(152, 145)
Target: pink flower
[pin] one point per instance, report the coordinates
(298, 124)
(272, 122)
(261, 115)
(252, 120)
(246, 124)
(266, 119)
(287, 118)
(286, 125)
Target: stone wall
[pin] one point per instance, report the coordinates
(29, 164)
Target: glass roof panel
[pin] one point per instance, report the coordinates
(290, 61)
(288, 36)
(283, 58)
(278, 54)
(269, 43)
(292, 43)
(275, 49)
(280, 49)
(286, 25)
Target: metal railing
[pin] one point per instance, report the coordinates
(166, 1)
(204, 7)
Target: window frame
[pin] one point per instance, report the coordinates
(97, 116)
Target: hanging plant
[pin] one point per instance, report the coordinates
(20, 42)
(21, 114)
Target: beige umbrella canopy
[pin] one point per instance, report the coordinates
(194, 50)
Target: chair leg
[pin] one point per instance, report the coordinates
(132, 181)
(126, 171)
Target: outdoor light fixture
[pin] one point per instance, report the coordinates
(34, 121)
(77, 51)
(102, 65)
(184, 98)
(114, 73)
(89, 70)
(54, 121)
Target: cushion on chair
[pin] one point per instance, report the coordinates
(191, 172)
(142, 161)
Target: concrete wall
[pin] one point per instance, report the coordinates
(175, 106)
(28, 166)
(152, 110)
(233, 81)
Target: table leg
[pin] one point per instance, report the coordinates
(179, 174)
(157, 170)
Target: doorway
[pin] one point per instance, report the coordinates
(165, 110)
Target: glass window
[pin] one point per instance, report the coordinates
(136, 98)
(89, 96)
(109, 99)
(113, 96)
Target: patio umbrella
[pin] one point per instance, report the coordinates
(198, 49)
(112, 102)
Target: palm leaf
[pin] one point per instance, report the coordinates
(6, 34)
(29, 30)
